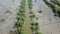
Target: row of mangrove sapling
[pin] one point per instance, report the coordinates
(20, 19)
(55, 7)
(55, 2)
(30, 4)
(34, 25)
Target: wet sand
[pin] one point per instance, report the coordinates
(7, 19)
(48, 23)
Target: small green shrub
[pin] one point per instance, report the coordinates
(34, 24)
(32, 16)
(8, 11)
(19, 31)
(39, 32)
(20, 23)
(2, 20)
(34, 28)
(30, 4)
(36, 18)
(39, 11)
(31, 12)
(55, 6)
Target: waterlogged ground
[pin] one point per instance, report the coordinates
(8, 19)
(48, 23)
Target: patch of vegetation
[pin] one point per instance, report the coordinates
(55, 2)
(32, 16)
(2, 20)
(20, 18)
(55, 6)
(21, 13)
(39, 11)
(34, 26)
(37, 18)
(57, 11)
(38, 33)
(30, 4)
(8, 11)
(19, 31)
(31, 12)
(20, 23)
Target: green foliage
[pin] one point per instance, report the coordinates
(40, 11)
(19, 31)
(20, 18)
(20, 23)
(21, 15)
(55, 2)
(31, 12)
(37, 18)
(8, 11)
(32, 15)
(39, 32)
(57, 9)
(55, 6)
(2, 20)
(34, 26)
(30, 4)
(21, 10)
(56, 14)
